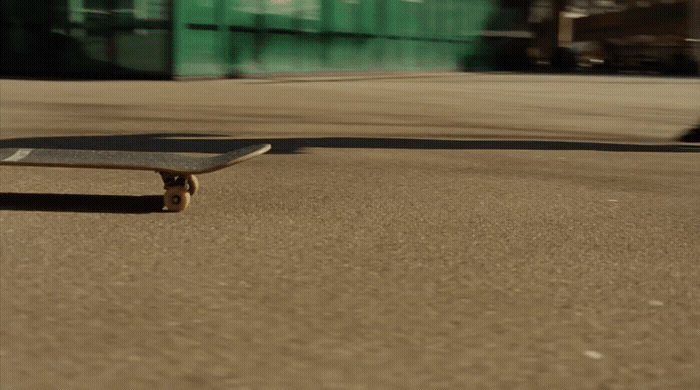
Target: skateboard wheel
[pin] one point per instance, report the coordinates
(176, 198)
(193, 183)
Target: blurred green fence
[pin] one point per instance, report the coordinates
(261, 36)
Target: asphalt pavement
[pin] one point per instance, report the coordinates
(426, 231)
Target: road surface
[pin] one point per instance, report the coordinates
(435, 231)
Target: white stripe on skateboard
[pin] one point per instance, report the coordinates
(20, 154)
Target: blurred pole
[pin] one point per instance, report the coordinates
(556, 57)
(694, 30)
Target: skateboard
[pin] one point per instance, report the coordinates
(177, 170)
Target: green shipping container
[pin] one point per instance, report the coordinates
(181, 38)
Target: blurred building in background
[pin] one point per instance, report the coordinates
(649, 36)
(85, 38)
(180, 38)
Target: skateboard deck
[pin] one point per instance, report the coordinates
(117, 159)
(177, 170)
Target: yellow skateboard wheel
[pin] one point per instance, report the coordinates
(176, 198)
